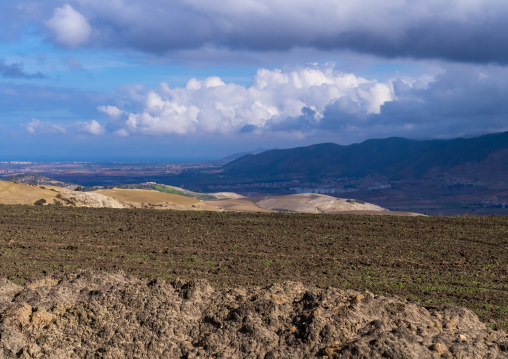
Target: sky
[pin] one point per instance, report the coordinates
(158, 80)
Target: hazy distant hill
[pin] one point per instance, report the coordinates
(241, 154)
(484, 156)
(35, 179)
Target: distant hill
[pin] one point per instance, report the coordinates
(241, 154)
(161, 188)
(482, 157)
(35, 179)
(314, 203)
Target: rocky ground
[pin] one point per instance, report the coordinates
(93, 314)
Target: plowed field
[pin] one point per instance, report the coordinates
(428, 260)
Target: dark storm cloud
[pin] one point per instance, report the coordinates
(453, 40)
(418, 29)
(462, 30)
(462, 101)
(17, 70)
(478, 35)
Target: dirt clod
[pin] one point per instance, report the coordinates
(110, 315)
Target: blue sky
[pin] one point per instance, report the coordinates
(194, 79)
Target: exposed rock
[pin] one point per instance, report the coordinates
(91, 199)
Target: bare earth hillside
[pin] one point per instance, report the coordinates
(21, 193)
(140, 198)
(244, 204)
(314, 203)
(88, 199)
(300, 203)
(95, 314)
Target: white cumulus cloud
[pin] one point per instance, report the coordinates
(93, 128)
(111, 111)
(69, 27)
(212, 106)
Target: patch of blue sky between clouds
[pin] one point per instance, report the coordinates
(105, 70)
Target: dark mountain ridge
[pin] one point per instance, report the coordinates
(392, 157)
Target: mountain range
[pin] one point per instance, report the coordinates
(482, 158)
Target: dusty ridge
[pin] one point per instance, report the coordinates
(226, 195)
(314, 203)
(21, 193)
(244, 204)
(140, 198)
(114, 316)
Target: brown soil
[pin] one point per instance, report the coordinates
(434, 261)
(381, 213)
(100, 315)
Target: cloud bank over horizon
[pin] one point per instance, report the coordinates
(212, 106)
(303, 103)
(321, 98)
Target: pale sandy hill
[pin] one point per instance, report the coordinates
(238, 205)
(226, 195)
(141, 198)
(88, 199)
(314, 203)
(21, 193)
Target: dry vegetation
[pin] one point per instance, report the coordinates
(140, 198)
(20, 193)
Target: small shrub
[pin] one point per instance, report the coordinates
(40, 202)
(78, 188)
(359, 201)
